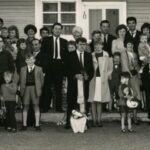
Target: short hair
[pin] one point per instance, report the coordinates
(96, 32)
(98, 42)
(128, 41)
(104, 21)
(4, 28)
(44, 29)
(131, 19)
(77, 29)
(1, 20)
(28, 27)
(36, 40)
(72, 43)
(120, 27)
(125, 75)
(29, 55)
(13, 27)
(57, 24)
(7, 72)
(21, 40)
(116, 54)
(81, 39)
(145, 25)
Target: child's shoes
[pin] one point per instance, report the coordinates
(123, 130)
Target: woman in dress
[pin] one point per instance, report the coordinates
(99, 92)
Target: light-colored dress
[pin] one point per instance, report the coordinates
(117, 45)
(105, 66)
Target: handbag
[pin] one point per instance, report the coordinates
(2, 111)
(132, 103)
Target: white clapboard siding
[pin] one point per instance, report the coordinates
(140, 9)
(18, 12)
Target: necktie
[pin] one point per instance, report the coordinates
(81, 62)
(132, 34)
(30, 69)
(56, 49)
(105, 40)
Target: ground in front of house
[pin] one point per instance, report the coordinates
(54, 137)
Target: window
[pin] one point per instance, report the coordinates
(63, 12)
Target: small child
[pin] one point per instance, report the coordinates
(8, 91)
(122, 103)
(31, 83)
(144, 51)
(115, 79)
(135, 80)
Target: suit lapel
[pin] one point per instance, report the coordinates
(25, 73)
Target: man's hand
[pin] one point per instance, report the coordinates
(86, 77)
(79, 76)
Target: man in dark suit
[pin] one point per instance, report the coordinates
(54, 52)
(80, 67)
(133, 34)
(106, 37)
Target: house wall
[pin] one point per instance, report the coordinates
(17, 12)
(22, 12)
(140, 9)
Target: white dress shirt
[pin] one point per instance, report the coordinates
(78, 53)
(106, 36)
(30, 68)
(58, 47)
(133, 33)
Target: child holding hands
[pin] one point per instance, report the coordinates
(8, 96)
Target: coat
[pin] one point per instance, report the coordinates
(105, 66)
(39, 80)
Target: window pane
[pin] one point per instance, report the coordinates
(50, 7)
(67, 7)
(68, 18)
(67, 29)
(50, 18)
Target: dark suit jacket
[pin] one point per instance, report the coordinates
(39, 80)
(135, 40)
(47, 50)
(108, 46)
(74, 68)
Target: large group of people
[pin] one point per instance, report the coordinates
(109, 73)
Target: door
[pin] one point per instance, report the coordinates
(95, 17)
(113, 16)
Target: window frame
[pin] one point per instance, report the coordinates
(39, 13)
(82, 13)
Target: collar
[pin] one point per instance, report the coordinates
(54, 37)
(78, 52)
(133, 32)
(29, 67)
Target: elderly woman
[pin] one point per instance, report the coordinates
(77, 32)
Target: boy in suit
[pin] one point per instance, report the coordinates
(80, 68)
(31, 82)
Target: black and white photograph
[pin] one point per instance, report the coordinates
(74, 74)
